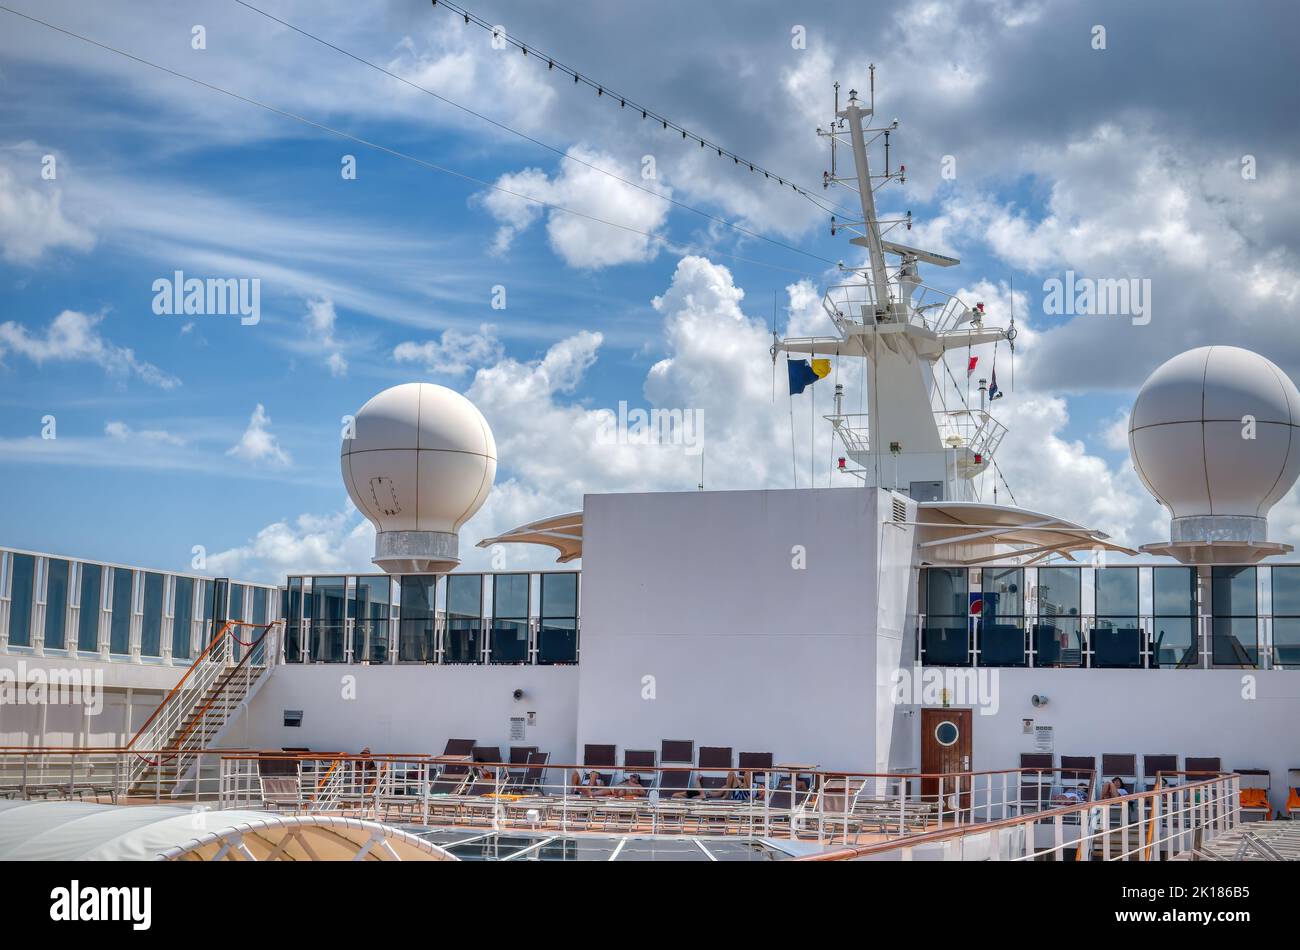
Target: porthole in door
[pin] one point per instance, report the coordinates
(947, 733)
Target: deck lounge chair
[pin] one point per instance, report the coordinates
(451, 779)
(676, 752)
(1036, 787)
(601, 759)
(755, 767)
(1206, 765)
(519, 759)
(714, 758)
(1121, 765)
(641, 763)
(1255, 786)
(1153, 765)
(533, 777)
(1080, 772)
(1293, 793)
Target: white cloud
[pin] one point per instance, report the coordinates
(257, 444)
(122, 432)
(580, 241)
(455, 354)
(311, 544)
(320, 321)
(73, 337)
(32, 217)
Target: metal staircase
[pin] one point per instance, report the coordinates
(197, 711)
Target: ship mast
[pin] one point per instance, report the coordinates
(902, 329)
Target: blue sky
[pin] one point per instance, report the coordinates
(1068, 157)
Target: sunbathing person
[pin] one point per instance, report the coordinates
(1114, 788)
(630, 787)
(590, 785)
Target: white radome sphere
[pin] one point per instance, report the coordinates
(1189, 435)
(420, 463)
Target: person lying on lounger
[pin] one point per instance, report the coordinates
(589, 784)
(1114, 788)
(630, 787)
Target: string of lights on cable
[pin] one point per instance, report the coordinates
(396, 153)
(563, 154)
(647, 114)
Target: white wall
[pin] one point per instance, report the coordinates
(1182, 712)
(410, 708)
(697, 590)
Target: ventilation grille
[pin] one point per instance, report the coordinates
(900, 509)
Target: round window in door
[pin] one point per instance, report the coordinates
(946, 733)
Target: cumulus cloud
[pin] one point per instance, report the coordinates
(455, 353)
(580, 187)
(310, 544)
(258, 444)
(32, 217)
(73, 337)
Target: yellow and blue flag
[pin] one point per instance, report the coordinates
(803, 375)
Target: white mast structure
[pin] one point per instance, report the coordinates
(911, 438)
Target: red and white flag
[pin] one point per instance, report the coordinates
(970, 367)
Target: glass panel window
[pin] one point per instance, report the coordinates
(1001, 626)
(417, 628)
(945, 639)
(88, 612)
(119, 629)
(509, 618)
(1058, 635)
(328, 617)
(1233, 591)
(1174, 591)
(1117, 639)
(1286, 642)
(151, 628)
(182, 623)
(56, 604)
(557, 633)
(464, 637)
(1235, 627)
(293, 622)
(1117, 592)
(20, 604)
(370, 611)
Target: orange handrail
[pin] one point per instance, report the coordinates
(266, 628)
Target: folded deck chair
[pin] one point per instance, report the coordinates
(1255, 785)
(714, 758)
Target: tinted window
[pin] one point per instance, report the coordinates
(1286, 591)
(1058, 591)
(151, 628)
(1174, 590)
(56, 603)
(88, 616)
(184, 613)
(1117, 592)
(20, 606)
(1233, 591)
(559, 595)
(119, 636)
(415, 634)
(945, 592)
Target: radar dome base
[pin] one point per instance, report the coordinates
(416, 552)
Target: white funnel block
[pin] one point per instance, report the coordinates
(1215, 437)
(420, 463)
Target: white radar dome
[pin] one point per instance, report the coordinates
(1215, 437)
(420, 461)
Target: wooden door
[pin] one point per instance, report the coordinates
(946, 747)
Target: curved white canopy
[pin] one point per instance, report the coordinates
(562, 532)
(971, 533)
(85, 831)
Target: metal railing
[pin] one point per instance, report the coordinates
(198, 706)
(1182, 814)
